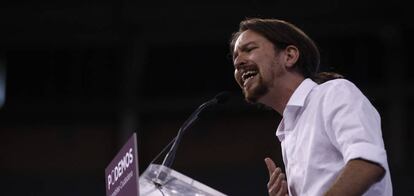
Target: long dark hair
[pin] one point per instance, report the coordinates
(283, 34)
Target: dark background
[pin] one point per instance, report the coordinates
(81, 76)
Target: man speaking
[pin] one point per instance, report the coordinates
(330, 133)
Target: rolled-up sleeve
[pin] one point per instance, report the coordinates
(353, 125)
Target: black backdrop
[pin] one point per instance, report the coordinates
(81, 76)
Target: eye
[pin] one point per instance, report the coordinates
(250, 49)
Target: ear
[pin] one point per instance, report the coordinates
(292, 55)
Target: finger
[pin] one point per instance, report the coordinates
(283, 189)
(271, 166)
(275, 187)
(274, 176)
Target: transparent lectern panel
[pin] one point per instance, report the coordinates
(160, 180)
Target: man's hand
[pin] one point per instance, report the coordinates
(277, 185)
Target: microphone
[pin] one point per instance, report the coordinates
(218, 99)
(159, 180)
(221, 98)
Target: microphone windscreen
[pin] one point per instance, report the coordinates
(222, 97)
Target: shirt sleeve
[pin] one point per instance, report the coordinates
(353, 125)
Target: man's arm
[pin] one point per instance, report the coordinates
(356, 177)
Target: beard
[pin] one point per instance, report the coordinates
(258, 90)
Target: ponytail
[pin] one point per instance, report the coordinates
(322, 77)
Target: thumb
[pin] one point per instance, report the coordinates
(271, 166)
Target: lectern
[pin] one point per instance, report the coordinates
(122, 178)
(158, 180)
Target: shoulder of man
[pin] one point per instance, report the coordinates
(337, 85)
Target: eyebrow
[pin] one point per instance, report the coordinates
(243, 48)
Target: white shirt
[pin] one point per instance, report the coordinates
(325, 126)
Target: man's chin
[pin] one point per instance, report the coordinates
(255, 94)
(251, 99)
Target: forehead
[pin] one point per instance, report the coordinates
(247, 37)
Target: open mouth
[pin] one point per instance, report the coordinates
(248, 75)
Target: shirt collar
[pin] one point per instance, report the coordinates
(299, 95)
(296, 101)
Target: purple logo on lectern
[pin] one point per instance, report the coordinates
(121, 175)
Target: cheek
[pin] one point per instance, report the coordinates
(237, 76)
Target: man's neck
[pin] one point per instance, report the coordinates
(279, 95)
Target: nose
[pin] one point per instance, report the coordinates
(239, 62)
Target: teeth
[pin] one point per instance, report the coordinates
(248, 74)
